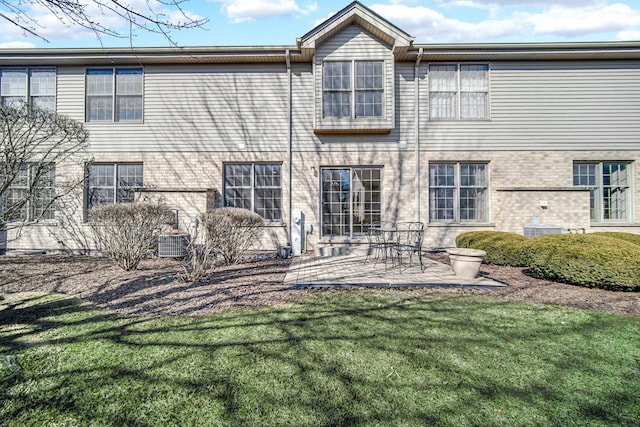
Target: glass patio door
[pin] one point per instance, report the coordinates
(350, 198)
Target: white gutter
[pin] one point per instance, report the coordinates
(416, 115)
(289, 141)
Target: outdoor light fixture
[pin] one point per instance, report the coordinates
(402, 144)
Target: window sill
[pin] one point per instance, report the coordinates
(461, 224)
(114, 122)
(273, 224)
(43, 223)
(460, 120)
(354, 126)
(342, 240)
(614, 224)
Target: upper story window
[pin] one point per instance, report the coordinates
(34, 86)
(114, 94)
(609, 188)
(458, 91)
(353, 89)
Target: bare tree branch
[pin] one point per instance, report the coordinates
(153, 18)
(35, 142)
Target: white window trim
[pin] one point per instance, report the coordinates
(353, 90)
(456, 196)
(115, 165)
(599, 193)
(459, 92)
(30, 204)
(253, 188)
(351, 235)
(114, 95)
(28, 97)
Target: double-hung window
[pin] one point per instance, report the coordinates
(353, 89)
(458, 192)
(458, 91)
(609, 188)
(254, 186)
(30, 195)
(114, 94)
(33, 86)
(113, 183)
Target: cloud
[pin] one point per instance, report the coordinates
(321, 20)
(524, 3)
(431, 26)
(628, 35)
(572, 22)
(16, 45)
(246, 10)
(505, 23)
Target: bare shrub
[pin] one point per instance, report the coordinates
(231, 232)
(199, 255)
(126, 232)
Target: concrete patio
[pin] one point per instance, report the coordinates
(347, 271)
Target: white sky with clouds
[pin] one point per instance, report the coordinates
(280, 22)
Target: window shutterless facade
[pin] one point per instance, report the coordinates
(34, 86)
(609, 189)
(353, 89)
(351, 199)
(113, 183)
(114, 94)
(458, 91)
(256, 187)
(31, 194)
(458, 192)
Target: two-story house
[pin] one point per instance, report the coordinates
(353, 123)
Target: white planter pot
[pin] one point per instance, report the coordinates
(466, 262)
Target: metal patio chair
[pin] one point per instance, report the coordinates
(380, 236)
(409, 237)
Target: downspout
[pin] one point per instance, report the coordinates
(416, 118)
(287, 55)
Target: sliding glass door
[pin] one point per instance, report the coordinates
(351, 197)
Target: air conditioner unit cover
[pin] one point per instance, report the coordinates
(173, 245)
(534, 230)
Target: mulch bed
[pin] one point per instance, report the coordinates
(156, 288)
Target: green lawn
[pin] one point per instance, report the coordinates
(340, 358)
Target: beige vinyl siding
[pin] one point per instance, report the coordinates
(354, 43)
(548, 106)
(209, 108)
(302, 95)
(70, 92)
(405, 104)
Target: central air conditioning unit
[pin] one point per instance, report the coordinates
(534, 230)
(172, 245)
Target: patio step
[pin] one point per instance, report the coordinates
(337, 250)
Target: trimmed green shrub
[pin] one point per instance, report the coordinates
(232, 231)
(502, 248)
(589, 260)
(629, 237)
